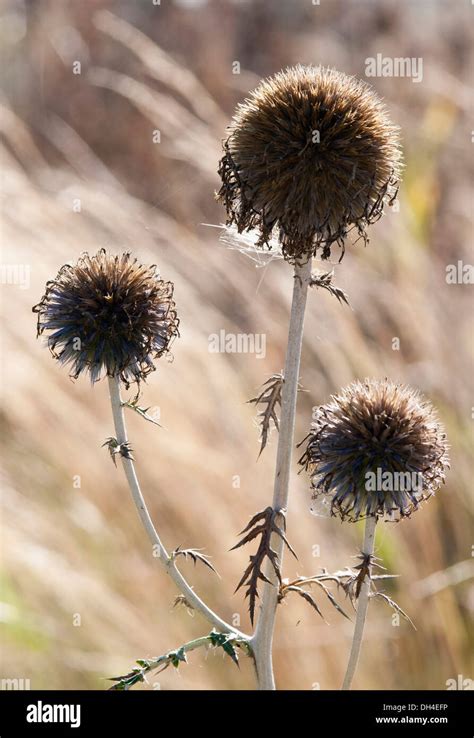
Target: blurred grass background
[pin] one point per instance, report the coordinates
(70, 550)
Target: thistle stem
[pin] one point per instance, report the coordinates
(363, 604)
(263, 636)
(161, 553)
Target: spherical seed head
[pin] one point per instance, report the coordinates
(108, 314)
(377, 449)
(312, 154)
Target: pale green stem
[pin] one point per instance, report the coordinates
(161, 662)
(160, 551)
(185, 648)
(263, 637)
(363, 604)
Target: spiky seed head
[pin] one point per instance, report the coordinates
(377, 449)
(310, 155)
(108, 315)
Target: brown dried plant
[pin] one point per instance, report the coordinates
(264, 525)
(309, 155)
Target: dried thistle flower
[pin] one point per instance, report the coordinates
(108, 314)
(311, 153)
(377, 449)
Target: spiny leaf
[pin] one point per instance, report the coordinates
(230, 651)
(195, 555)
(333, 600)
(324, 280)
(281, 532)
(258, 516)
(262, 524)
(364, 569)
(354, 582)
(181, 601)
(258, 530)
(298, 586)
(142, 411)
(350, 580)
(306, 596)
(177, 656)
(123, 449)
(225, 641)
(394, 606)
(215, 637)
(270, 397)
(127, 680)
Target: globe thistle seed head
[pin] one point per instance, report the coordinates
(377, 449)
(108, 314)
(310, 155)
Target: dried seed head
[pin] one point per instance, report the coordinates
(376, 449)
(108, 314)
(311, 153)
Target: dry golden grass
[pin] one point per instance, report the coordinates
(68, 550)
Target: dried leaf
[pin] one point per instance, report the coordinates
(270, 397)
(349, 580)
(195, 555)
(262, 524)
(394, 606)
(306, 596)
(298, 586)
(127, 680)
(367, 562)
(142, 411)
(332, 599)
(324, 280)
(181, 601)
